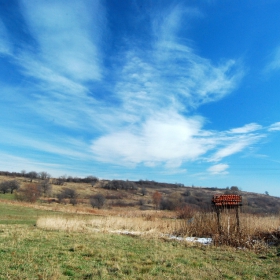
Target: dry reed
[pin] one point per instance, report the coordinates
(255, 231)
(145, 225)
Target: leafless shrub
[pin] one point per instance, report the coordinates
(185, 212)
(29, 192)
(9, 186)
(97, 200)
(45, 187)
(68, 194)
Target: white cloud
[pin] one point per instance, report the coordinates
(171, 139)
(246, 128)
(17, 163)
(218, 169)
(274, 127)
(164, 138)
(229, 146)
(60, 145)
(274, 64)
(183, 72)
(68, 34)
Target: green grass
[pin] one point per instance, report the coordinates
(7, 196)
(15, 214)
(27, 252)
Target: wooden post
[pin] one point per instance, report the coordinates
(219, 220)
(237, 219)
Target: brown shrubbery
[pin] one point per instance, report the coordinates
(29, 192)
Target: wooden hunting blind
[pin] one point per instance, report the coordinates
(227, 201)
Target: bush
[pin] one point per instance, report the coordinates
(142, 202)
(143, 191)
(120, 185)
(9, 186)
(4, 187)
(30, 193)
(157, 199)
(68, 194)
(185, 212)
(97, 200)
(172, 202)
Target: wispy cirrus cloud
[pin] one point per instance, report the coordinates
(220, 168)
(274, 127)
(246, 128)
(232, 145)
(274, 63)
(5, 46)
(156, 88)
(66, 41)
(60, 146)
(186, 74)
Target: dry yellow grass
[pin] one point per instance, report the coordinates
(156, 224)
(146, 225)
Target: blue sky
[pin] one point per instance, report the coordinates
(171, 91)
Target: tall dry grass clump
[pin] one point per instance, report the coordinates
(254, 230)
(146, 225)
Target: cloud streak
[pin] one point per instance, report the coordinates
(218, 169)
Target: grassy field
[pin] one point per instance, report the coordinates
(31, 251)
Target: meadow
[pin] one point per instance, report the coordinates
(39, 241)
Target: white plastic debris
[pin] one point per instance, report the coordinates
(201, 240)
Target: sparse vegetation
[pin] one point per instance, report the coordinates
(189, 206)
(78, 246)
(29, 192)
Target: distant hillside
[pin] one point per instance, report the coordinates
(136, 194)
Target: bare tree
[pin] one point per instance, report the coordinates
(91, 179)
(97, 200)
(69, 194)
(14, 185)
(45, 187)
(4, 187)
(44, 175)
(32, 175)
(143, 191)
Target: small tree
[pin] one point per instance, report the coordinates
(156, 199)
(97, 200)
(32, 175)
(45, 187)
(232, 190)
(4, 187)
(70, 194)
(13, 185)
(30, 193)
(44, 175)
(143, 191)
(91, 179)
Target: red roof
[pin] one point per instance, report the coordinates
(227, 200)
